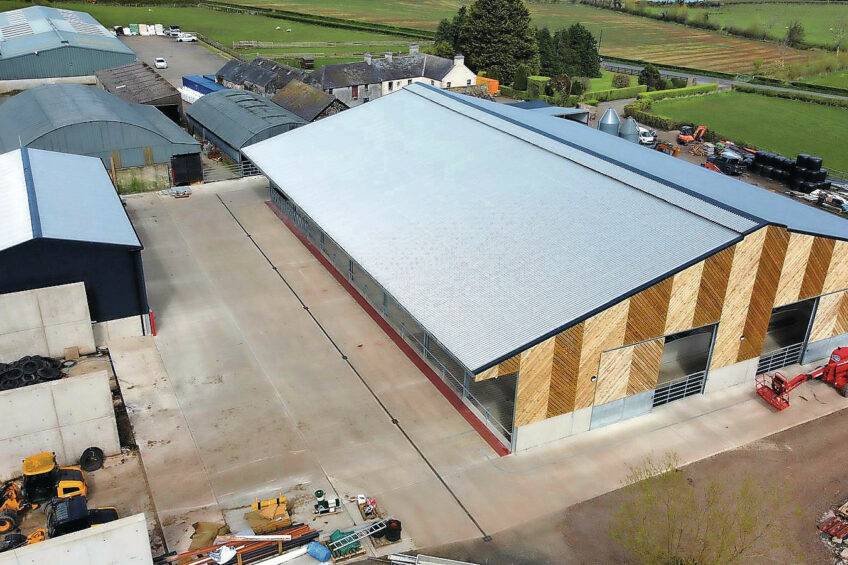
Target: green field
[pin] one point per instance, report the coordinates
(622, 35)
(838, 79)
(604, 82)
(227, 28)
(785, 126)
(817, 18)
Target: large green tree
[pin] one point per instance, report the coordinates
(448, 30)
(577, 51)
(497, 33)
(549, 63)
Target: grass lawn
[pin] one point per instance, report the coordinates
(817, 18)
(785, 126)
(602, 83)
(226, 28)
(622, 35)
(838, 79)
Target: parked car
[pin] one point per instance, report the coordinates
(647, 136)
(173, 31)
(186, 37)
(160, 63)
(729, 163)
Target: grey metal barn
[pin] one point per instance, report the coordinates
(86, 120)
(42, 42)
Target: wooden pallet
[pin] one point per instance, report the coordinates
(349, 556)
(375, 515)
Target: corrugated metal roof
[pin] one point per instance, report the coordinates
(728, 192)
(237, 116)
(490, 234)
(138, 83)
(61, 196)
(39, 28)
(38, 111)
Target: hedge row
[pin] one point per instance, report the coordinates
(793, 95)
(325, 21)
(820, 88)
(569, 102)
(664, 67)
(615, 93)
(679, 92)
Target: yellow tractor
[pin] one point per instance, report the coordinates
(43, 480)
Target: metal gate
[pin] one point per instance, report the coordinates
(228, 171)
(789, 355)
(681, 388)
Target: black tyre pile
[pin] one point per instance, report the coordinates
(30, 370)
(804, 174)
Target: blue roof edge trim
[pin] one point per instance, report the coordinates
(609, 304)
(35, 219)
(603, 157)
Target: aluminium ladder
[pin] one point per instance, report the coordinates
(357, 535)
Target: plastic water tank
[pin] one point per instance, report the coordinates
(609, 122)
(629, 130)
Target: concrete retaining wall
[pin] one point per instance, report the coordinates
(64, 416)
(104, 332)
(44, 322)
(122, 542)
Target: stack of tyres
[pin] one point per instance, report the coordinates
(30, 370)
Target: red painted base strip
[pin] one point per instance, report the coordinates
(422, 365)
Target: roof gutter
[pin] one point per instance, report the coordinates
(35, 218)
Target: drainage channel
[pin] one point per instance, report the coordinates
(394, 420)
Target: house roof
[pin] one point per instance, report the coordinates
(138, 83)
(59, 196)
(261, 72)
(380, 70)
(39, 28)
(304, 100)
(236, 116)
(38, 111)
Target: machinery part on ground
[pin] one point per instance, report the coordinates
(31, 369)
(774, 388)
(91, 459)
(8, 521)
(668, 148)
(12, 503)
(12, 541)
(68, 515)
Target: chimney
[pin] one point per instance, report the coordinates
(388, 55)
(368, 58)
(458, 59)
(413, 49)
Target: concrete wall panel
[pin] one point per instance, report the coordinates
(64, 416)
(123, 542)
(19, 311)
(15, 345)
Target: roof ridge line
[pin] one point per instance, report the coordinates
(722, 206)
(32, 199)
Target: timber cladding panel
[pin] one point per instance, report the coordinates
(601, 332)
(763, 294)
(831, 316)
(794, 269)
(684, 298)
(818, 262)
(648, 309)
(713, 287)
(645, 366)
(837, 271)
(613, 375)
(509, 366)
(740, 286)
(534, 383)
(565, 368)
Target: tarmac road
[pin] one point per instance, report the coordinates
(183, 58)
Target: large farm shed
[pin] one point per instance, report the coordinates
(85, 120)
(41, 42)
(140, 84)
(233, 119)
(557, 278)
(62, 222)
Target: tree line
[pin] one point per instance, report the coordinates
(496, 36)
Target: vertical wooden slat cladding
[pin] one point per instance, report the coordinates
(794, 268)
(734, 313)
(534, 383)
(600, 332)
(837, 271)
(841, 325)
(817, 265)
(684, 298)
(648, 309)
(765, 289)
(613, 374)
(645, 367)
(509, 366)
(826, 323)
(566, 364)
(713, 286)
(490, 373)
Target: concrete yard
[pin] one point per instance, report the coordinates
(266, 376)
(183, 58)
